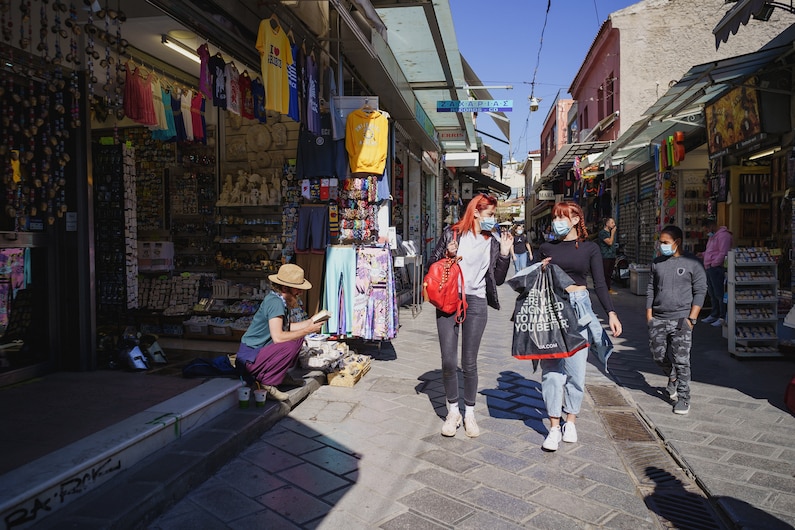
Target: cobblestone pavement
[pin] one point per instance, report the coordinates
(372, 456)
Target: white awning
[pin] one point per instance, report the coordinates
(468, 159)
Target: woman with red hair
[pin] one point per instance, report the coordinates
(563, 380)
(484, 264)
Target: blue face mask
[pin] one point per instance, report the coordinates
(487, 224)
(666, 249)
(710, 234)
(561, 228)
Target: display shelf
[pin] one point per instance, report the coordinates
(752, 311)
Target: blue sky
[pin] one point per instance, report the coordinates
(501, 39)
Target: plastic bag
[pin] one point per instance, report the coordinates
(544, 322)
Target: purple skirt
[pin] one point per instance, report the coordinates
(272, 361)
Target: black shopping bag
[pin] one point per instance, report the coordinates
(544, 322)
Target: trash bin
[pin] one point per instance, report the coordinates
(638, 279)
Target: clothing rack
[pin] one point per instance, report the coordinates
(159, 67)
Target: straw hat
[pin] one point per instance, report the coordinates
(291, 276)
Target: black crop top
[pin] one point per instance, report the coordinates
(579, 261)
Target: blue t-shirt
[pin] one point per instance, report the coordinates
(258, 333)
(292, 80)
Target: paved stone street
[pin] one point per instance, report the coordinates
(372, 456)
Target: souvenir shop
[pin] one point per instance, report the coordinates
(199, 187)
(742, 178)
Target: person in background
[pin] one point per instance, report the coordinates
(521, 249)
(674, 296)
(607, 245)
(270, 346)
(531, 236)
(718, 245)
(563, 380)
(548, 235)
(484, 265)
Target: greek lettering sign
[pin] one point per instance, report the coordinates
(474, 105)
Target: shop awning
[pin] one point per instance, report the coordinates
(681, 108)
(542, 208)
(706, 82)
(565, 156)
(739, 15)
(423, 41)
(643, 133)
(484, 182)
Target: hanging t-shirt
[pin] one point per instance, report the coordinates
(205, 83)
(292, 76)
(218, 79)
(197, 116)
(366, 140)
(337, 121)
(246, 99)
(315, 157)
(232, 88)
(275, 57)
(258, 100)
(185, 104)
(312, 95)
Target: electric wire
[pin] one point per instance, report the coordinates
(535, 72)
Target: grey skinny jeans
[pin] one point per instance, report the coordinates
(473, 327)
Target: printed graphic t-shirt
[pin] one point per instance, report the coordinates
(275, 56)
(366, 139)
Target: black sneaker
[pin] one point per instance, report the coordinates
(671, 389)
(682, 406)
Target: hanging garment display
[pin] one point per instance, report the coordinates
(366, 140)
(375, 314)
(315, 157)
(275, 57)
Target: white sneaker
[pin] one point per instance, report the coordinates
(471, 426)
(552, 440)
(569, 433)
(718, 323)
(709, 320)
(451, 423)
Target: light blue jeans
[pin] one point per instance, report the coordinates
(521, 261)
(563, 380)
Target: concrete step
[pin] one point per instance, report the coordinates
(50, 483)
(127, 475)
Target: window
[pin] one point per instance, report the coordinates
(585, 122)
(610, 106)
(600, 100)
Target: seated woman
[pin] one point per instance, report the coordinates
(270, 346)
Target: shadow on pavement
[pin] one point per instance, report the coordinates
(683, 508)
(294, 475)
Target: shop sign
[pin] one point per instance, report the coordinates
(474, 105)
(452, 136)
(546, 195)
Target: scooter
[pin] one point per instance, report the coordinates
(621, 269)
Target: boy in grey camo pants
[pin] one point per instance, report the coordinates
(674, 296)
(670, 342)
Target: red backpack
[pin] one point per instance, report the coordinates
(441, 287)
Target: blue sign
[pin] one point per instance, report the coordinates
(475, 105)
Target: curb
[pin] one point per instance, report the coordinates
(140, 494)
